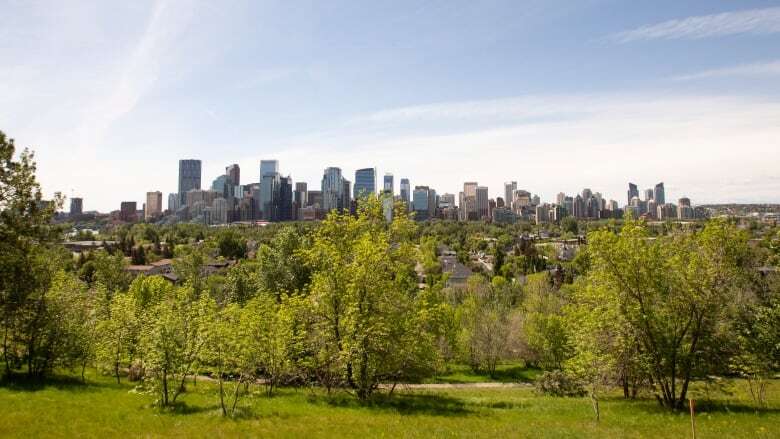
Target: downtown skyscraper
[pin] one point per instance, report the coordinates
(189, 178)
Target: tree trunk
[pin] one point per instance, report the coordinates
(165, 388)
(222, 396)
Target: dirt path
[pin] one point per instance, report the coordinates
(438, 386)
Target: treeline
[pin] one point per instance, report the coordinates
(342, 306)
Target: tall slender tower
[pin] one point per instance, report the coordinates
(189, 178)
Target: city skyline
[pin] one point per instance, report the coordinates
(549, 94)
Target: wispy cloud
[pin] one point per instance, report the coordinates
(139, 72)
(752, 21)
(770, 68)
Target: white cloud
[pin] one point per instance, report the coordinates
(138, 73)
(770, 68)
(753, 21)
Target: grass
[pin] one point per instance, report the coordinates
(505, 373)
(64, 407)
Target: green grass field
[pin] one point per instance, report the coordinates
(66, 408)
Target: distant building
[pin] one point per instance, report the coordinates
(406, 191)
(173, 202)
(649, 195)
(153, 205)
(189, 178)
(388, 186)
(285, 203)
(76, 206)
(468, 202)
(482, 203)
(684, 209)
(127, 211)
(365, 182)
(509, 189)
(268, 167)
(332, 190)
(633, 191)
(221, 185)
(659, 194)
(233, 173)
(504, 215)
(420, 202)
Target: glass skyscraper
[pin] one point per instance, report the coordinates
(189, 178)
(365, 182)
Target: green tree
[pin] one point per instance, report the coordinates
(674, 293)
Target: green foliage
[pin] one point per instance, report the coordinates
(231, 244)
(558, 383)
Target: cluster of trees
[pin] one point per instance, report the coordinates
(340, 305)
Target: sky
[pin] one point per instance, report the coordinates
(556, 95)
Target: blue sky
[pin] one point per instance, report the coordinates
(555, 95)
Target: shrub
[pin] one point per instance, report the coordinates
(557, 383)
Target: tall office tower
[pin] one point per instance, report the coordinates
(388, 186)
(153, 205)
(314, 198)
(173, 202)
(300, 197)
(509, 189)
(649, 195)
(560, 199)
(406, 191)
(578, 207)
(633, 191)
(447, 201)
(651, 208)
(346, 197)
(221, 185)
(659, 195)
(332, 189)
(568, 206)
(269, 195)
(684, 209)
(586, 194)
(233, 173)
(189, 178)
(365, 182)
(433, 202)
(483, 209)
(420, 202)
(268, 167)
(469, 205)
(542, 213)
(285, 202)
(76, 206)
(500, 202)
(127, 211)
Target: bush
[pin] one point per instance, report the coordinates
(557, 383)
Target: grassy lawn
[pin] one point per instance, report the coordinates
(66, 408)
(505, 373)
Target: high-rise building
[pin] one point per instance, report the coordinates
(633, 191)
(76, 206)
(332, 189)
(649, 195)
(219, 211)
(509, 189)
(365, 182)
(483, 207)
(268, 167)
(173, 202)
(684, 209)
(406, 191)
(468, 206)
(346, 197)
(420, 202)
(189, 178)
(269, 195)
(285, 199)
(233, 173)
(153, 205)
(300, 198)
(221, 185)
(127, 211)
(388, 186)
(560, 199)
(659, 194)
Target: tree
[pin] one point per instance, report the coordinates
(172, 340)
(280, 268)
(674, 294)
(231, 244)
(27, 259)
(363, 294)
(543, 326)
(117, 333)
